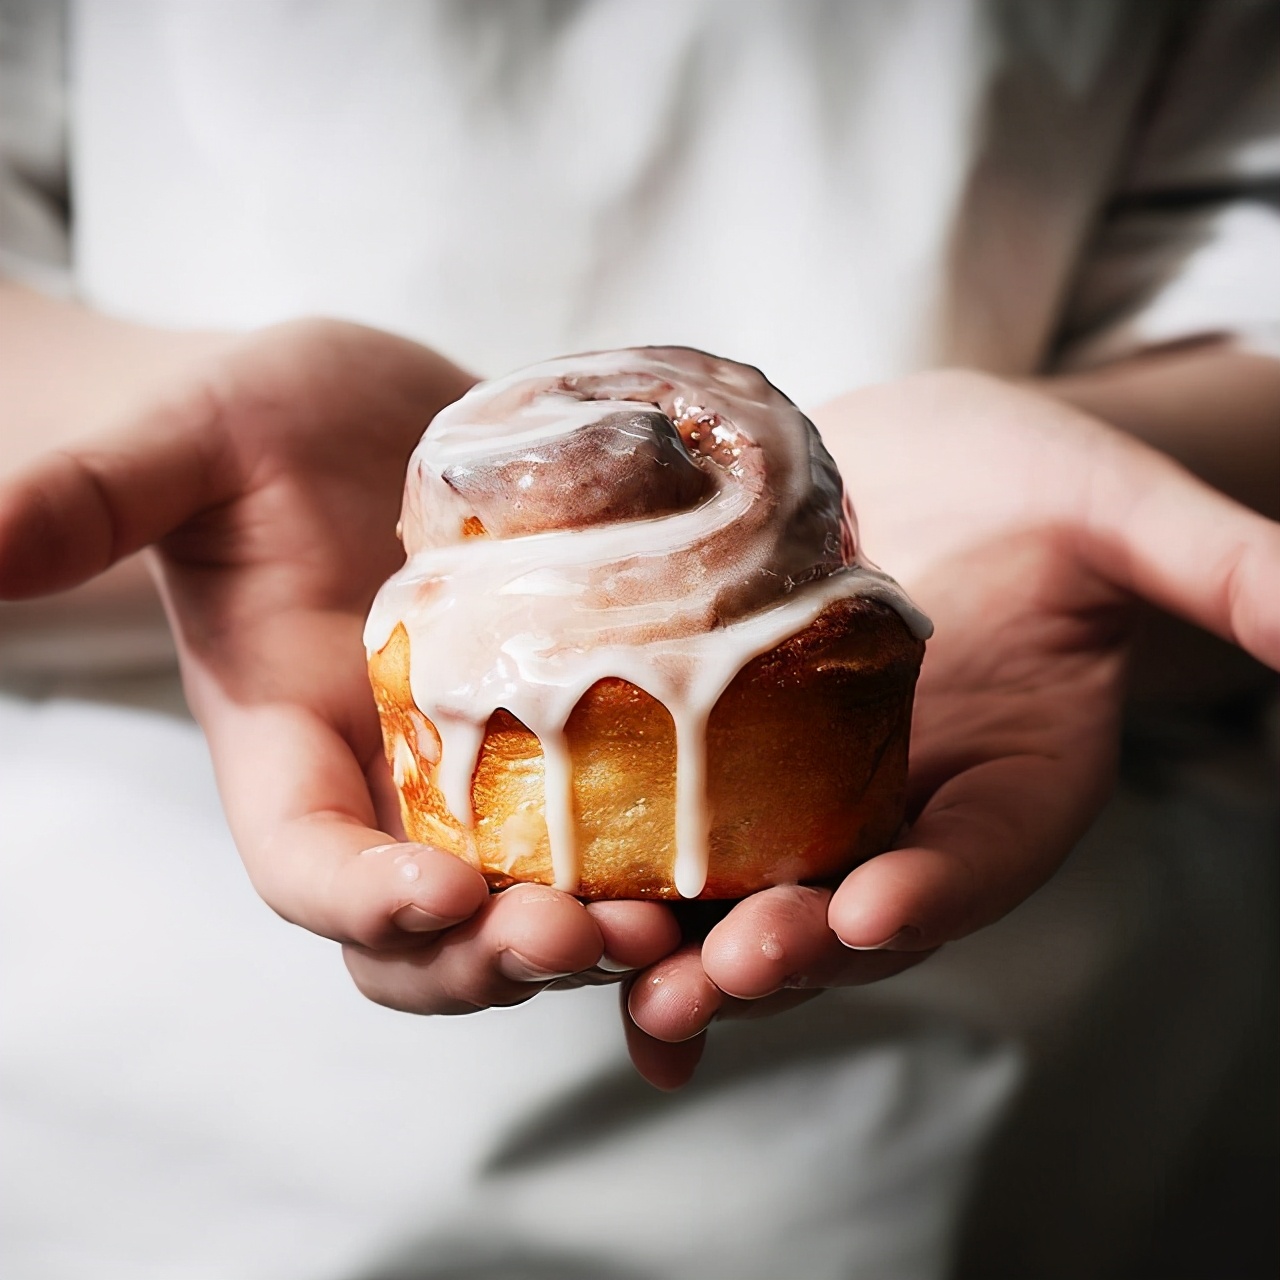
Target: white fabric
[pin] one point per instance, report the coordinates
(509, 183)
(194, 1090)
(34, 240)
(1191, 242)
(837, 192)
(903, 182)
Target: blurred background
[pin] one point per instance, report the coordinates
(842, 193)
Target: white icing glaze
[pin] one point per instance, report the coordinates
(676, 603)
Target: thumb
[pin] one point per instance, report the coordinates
(1157, 532)
(73, 513)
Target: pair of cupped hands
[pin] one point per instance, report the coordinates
(268, 483)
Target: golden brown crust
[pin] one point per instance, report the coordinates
(806, 766)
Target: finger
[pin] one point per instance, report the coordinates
(1157, 532)
(666, 1010)
(665, 1066)
(671, 1065)
(770, 940)
(635, 934)
(301, 812)
(674, 1000)
(985, 841)
(72, 514)
(780, 940)
(518, 942)
(779, 1002)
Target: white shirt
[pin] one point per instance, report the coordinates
(836, 192)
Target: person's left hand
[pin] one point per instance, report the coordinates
(1024, 529)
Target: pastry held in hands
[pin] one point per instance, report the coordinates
(634, 650)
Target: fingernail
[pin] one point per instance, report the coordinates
(610, 965)
(415, 920)
(511, 964)
(904, 940)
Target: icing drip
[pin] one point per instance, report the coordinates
(460, 742)
(693, 820)
(557, 787)
(656, 515)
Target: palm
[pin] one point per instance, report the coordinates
(1024, 529)
(309, 428)
(980, 510)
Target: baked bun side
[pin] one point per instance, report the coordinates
(635, 648)
(806, 767)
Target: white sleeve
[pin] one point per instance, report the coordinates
(34, 192)
(1189, 246)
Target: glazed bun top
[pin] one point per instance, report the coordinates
(653, 514)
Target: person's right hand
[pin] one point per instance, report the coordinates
(269, 485)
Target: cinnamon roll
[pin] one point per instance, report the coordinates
(634, 650)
